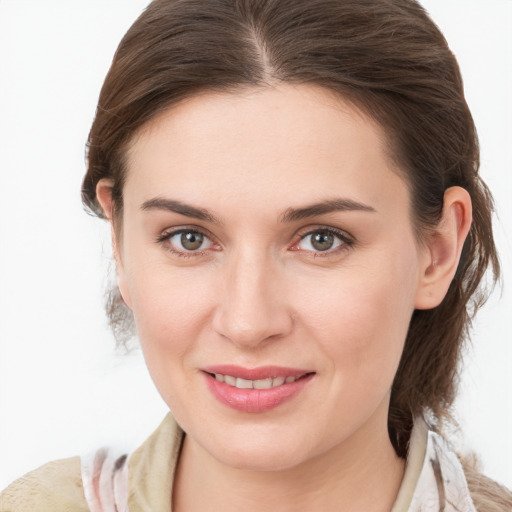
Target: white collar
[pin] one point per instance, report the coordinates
(434, 479)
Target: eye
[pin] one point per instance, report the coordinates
(322, 240)
(186, 241)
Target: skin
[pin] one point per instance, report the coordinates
(258, 293)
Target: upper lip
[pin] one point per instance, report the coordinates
(262, 372)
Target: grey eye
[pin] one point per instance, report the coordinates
(190, 241)
(320, 241)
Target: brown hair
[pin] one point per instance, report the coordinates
(385, 56)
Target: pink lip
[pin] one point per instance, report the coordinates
(255, 400)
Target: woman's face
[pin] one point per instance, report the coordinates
(266, 238)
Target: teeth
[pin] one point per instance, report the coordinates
(262, 384)
(254, 384)
(278, 381)
(243, 384)
(229, 380)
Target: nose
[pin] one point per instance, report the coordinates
(252, 306)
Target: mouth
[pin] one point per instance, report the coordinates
(268, 383)
(255, 390)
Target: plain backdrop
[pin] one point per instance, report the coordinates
(63, 388)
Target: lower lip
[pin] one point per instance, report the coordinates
(255, 400)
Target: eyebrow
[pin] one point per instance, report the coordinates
(321, 208)
(171, 205)
(290, 215)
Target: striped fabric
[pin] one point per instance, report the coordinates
(105, 481)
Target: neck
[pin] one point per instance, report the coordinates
(362, 473)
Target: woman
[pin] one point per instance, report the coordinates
(300, 234)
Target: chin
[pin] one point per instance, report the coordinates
(259, 453)
(262, 460)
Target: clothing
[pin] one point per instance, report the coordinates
(142, 482)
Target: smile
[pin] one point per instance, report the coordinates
(255, 390)
(240, 383)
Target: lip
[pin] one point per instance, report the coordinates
(255, 400)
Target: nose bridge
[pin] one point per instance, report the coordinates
(252, 308)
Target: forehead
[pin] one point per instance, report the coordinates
(297, 141)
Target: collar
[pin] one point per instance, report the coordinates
(434, 478)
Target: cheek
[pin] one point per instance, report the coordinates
(171, 309)
(360, 315)
(167, 308)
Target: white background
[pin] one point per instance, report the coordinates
(63, 389)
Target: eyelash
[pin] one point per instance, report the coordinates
(346, 241)
(165, 240)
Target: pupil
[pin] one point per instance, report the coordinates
(191, 241)
(322, 241)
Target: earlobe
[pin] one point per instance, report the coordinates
(104, 197)
(443, 249)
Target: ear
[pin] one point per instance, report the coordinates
(443, 248)
(104, 197)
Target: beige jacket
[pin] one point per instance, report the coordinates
(433, 480)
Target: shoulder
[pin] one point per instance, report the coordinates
(54, 487)
(103, 476)
(488, 495)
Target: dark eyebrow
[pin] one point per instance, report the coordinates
(332, 205)
(160, 203)
(290, 215)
